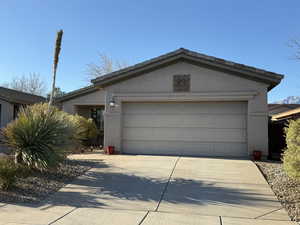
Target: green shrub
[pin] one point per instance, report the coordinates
(40, 136)
(291, 155)
(8, 173)
(85, 129)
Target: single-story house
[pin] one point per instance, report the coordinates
(279, 108)
(284, 116)
(11, 101)
(180, 103)
(277, 125)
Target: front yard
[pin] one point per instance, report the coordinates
(286, 189)
(39, 185)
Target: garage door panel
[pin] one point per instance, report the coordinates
(191, 128)
(184, 134)
(190, 120)
(183, 148)
(186, 108)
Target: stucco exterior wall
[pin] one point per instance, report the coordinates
(206, 85)
(7, 113)
(94, 98)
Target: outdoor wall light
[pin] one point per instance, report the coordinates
(112, 104)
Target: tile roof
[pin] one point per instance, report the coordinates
(15, 96)
(245, 71)
(78, 92)
(249, 72)
(290, 106)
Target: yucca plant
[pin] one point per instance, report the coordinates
(39, 136)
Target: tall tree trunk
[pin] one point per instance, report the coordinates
(55, 63)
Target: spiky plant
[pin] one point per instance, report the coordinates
(39, 136)
(85, 129)
(8, 173)
(55, 63)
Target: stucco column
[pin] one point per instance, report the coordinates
(112, 123)
(257, 124)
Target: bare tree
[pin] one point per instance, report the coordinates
(295, 44)
(55, 63)
(33, 84)
(106, 65)
(57, 93)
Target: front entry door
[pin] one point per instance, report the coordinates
(97, 116)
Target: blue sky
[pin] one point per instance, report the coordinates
(255, 33)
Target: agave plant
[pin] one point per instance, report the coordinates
(39, 136)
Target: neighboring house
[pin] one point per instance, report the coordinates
(279, 108)
(276, 131)
(287, 115)
(180, 103)
(11, 101)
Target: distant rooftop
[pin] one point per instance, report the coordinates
(15, 96)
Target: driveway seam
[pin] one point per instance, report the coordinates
(166, 187)
(62, 216)
(143, 219)
(275, 210)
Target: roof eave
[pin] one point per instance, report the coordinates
(77, 93)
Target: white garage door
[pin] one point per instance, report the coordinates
(185, 128)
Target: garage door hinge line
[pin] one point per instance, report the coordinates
(166, 187)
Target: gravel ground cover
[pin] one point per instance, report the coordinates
(286, 189)
(37, 186)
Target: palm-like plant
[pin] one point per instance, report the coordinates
(55, 63)
(39, 136)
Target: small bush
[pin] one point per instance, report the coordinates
(40, 136)
(85, 129)
(291, 156)
(8, 173)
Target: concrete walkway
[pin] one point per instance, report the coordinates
(160, 190)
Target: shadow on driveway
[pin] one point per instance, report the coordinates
(96, 189)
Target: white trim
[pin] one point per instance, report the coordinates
(195, 96)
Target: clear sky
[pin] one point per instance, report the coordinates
(255, 33)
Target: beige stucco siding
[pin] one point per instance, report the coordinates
(7, 113)
(206, 85)
(94, 98)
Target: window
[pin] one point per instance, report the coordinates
(97, 116)
(181, 83)
(16, 110)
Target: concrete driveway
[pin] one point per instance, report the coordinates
(148, 190)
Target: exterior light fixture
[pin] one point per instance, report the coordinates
(112, 103)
